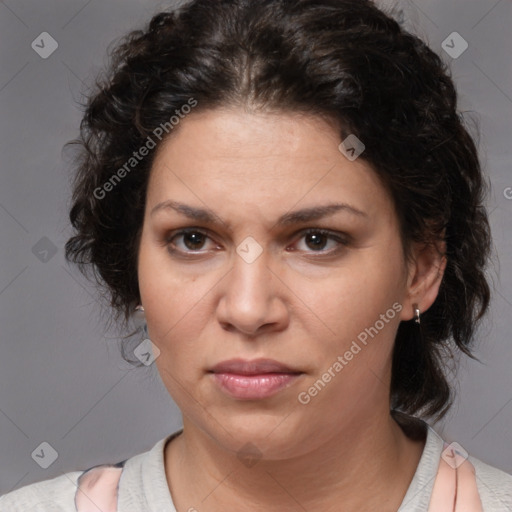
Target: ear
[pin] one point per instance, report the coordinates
(424, 278)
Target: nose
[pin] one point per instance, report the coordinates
(254, 298)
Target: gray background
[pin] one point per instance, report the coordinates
(62, 379)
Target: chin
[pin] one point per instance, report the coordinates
(259, 436)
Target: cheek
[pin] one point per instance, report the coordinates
(347, 311)
(352, 297)
(163, 292)
(176, 304)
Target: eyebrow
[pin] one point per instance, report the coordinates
(294, 217)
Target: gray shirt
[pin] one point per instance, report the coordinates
(143, 485)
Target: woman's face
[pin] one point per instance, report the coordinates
(249, 283)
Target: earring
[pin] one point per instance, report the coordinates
(416, 313)
(140, 320)
(138, 314)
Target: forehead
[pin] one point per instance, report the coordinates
(226, 134)
(272, 159)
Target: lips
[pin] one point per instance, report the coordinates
(253, 380)
(254, 367)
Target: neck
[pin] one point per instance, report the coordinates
(367, 466)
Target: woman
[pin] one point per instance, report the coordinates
(286, 192)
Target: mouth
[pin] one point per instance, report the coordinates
(254, 367)
(253, 380)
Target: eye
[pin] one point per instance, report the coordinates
(193, 240)
(318, 238)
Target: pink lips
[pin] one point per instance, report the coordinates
(250, 380)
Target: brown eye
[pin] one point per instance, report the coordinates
(317, 239)
(192, 240)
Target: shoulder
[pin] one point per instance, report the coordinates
(54, 495)
(62, 492)
(102, 483)
(494, 486)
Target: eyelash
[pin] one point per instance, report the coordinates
(332, 235)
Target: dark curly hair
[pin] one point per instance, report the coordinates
(346, 61)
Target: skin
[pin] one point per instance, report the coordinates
(295, 303)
